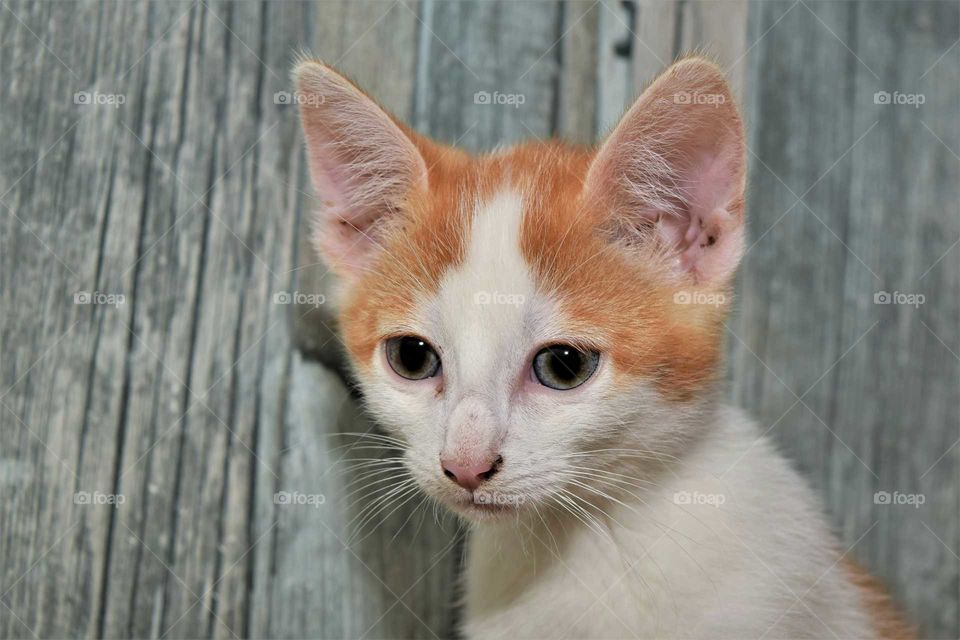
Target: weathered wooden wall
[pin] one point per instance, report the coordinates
(200, 398)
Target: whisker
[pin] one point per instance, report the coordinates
(359, 434)
(412, 512)
(368, 485)
(637, 453)
(371, 511)
(637, 482)
(570, 505)
(407, 496)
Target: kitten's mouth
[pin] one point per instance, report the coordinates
(488, 505)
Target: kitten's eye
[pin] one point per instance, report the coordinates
(563, 367)
(412, 358)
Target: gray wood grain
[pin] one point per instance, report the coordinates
(477, 51)
(199, 399)
(878, 207)
(718, 30)
(578, 51)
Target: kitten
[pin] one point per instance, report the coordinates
(542, 327)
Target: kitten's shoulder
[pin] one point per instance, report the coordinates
(740, 454)
(772, 504)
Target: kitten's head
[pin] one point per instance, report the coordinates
(536, 321)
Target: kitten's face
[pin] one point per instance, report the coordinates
(523, 321)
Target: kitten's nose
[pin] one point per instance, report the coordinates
(469, 474)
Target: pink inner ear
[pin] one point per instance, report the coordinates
(361, 163)
(351, 203)
(706, 236)
(361, 177)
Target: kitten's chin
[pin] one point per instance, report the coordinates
(480, 508)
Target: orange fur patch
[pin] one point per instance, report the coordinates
(426, 240)
(622, 301)
(888, 623)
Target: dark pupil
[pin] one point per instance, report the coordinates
(414, 354)
(565, 364)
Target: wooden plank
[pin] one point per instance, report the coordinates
(617, 57)
(717, 29)
(174, 553)
(896, 397)
(578, 52)
(477, 53)
(611, 50)
(655, 46)
(283, 192)
(78, 199)
(879, 391)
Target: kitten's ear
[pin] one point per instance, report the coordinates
(673, 172)
(362, 165)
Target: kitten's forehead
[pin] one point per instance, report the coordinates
(492, 272)
(487, 306)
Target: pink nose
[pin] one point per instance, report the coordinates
(469, 475)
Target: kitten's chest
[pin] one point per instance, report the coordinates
(561, 585)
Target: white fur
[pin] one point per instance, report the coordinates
(761, 564)
(602, 546)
